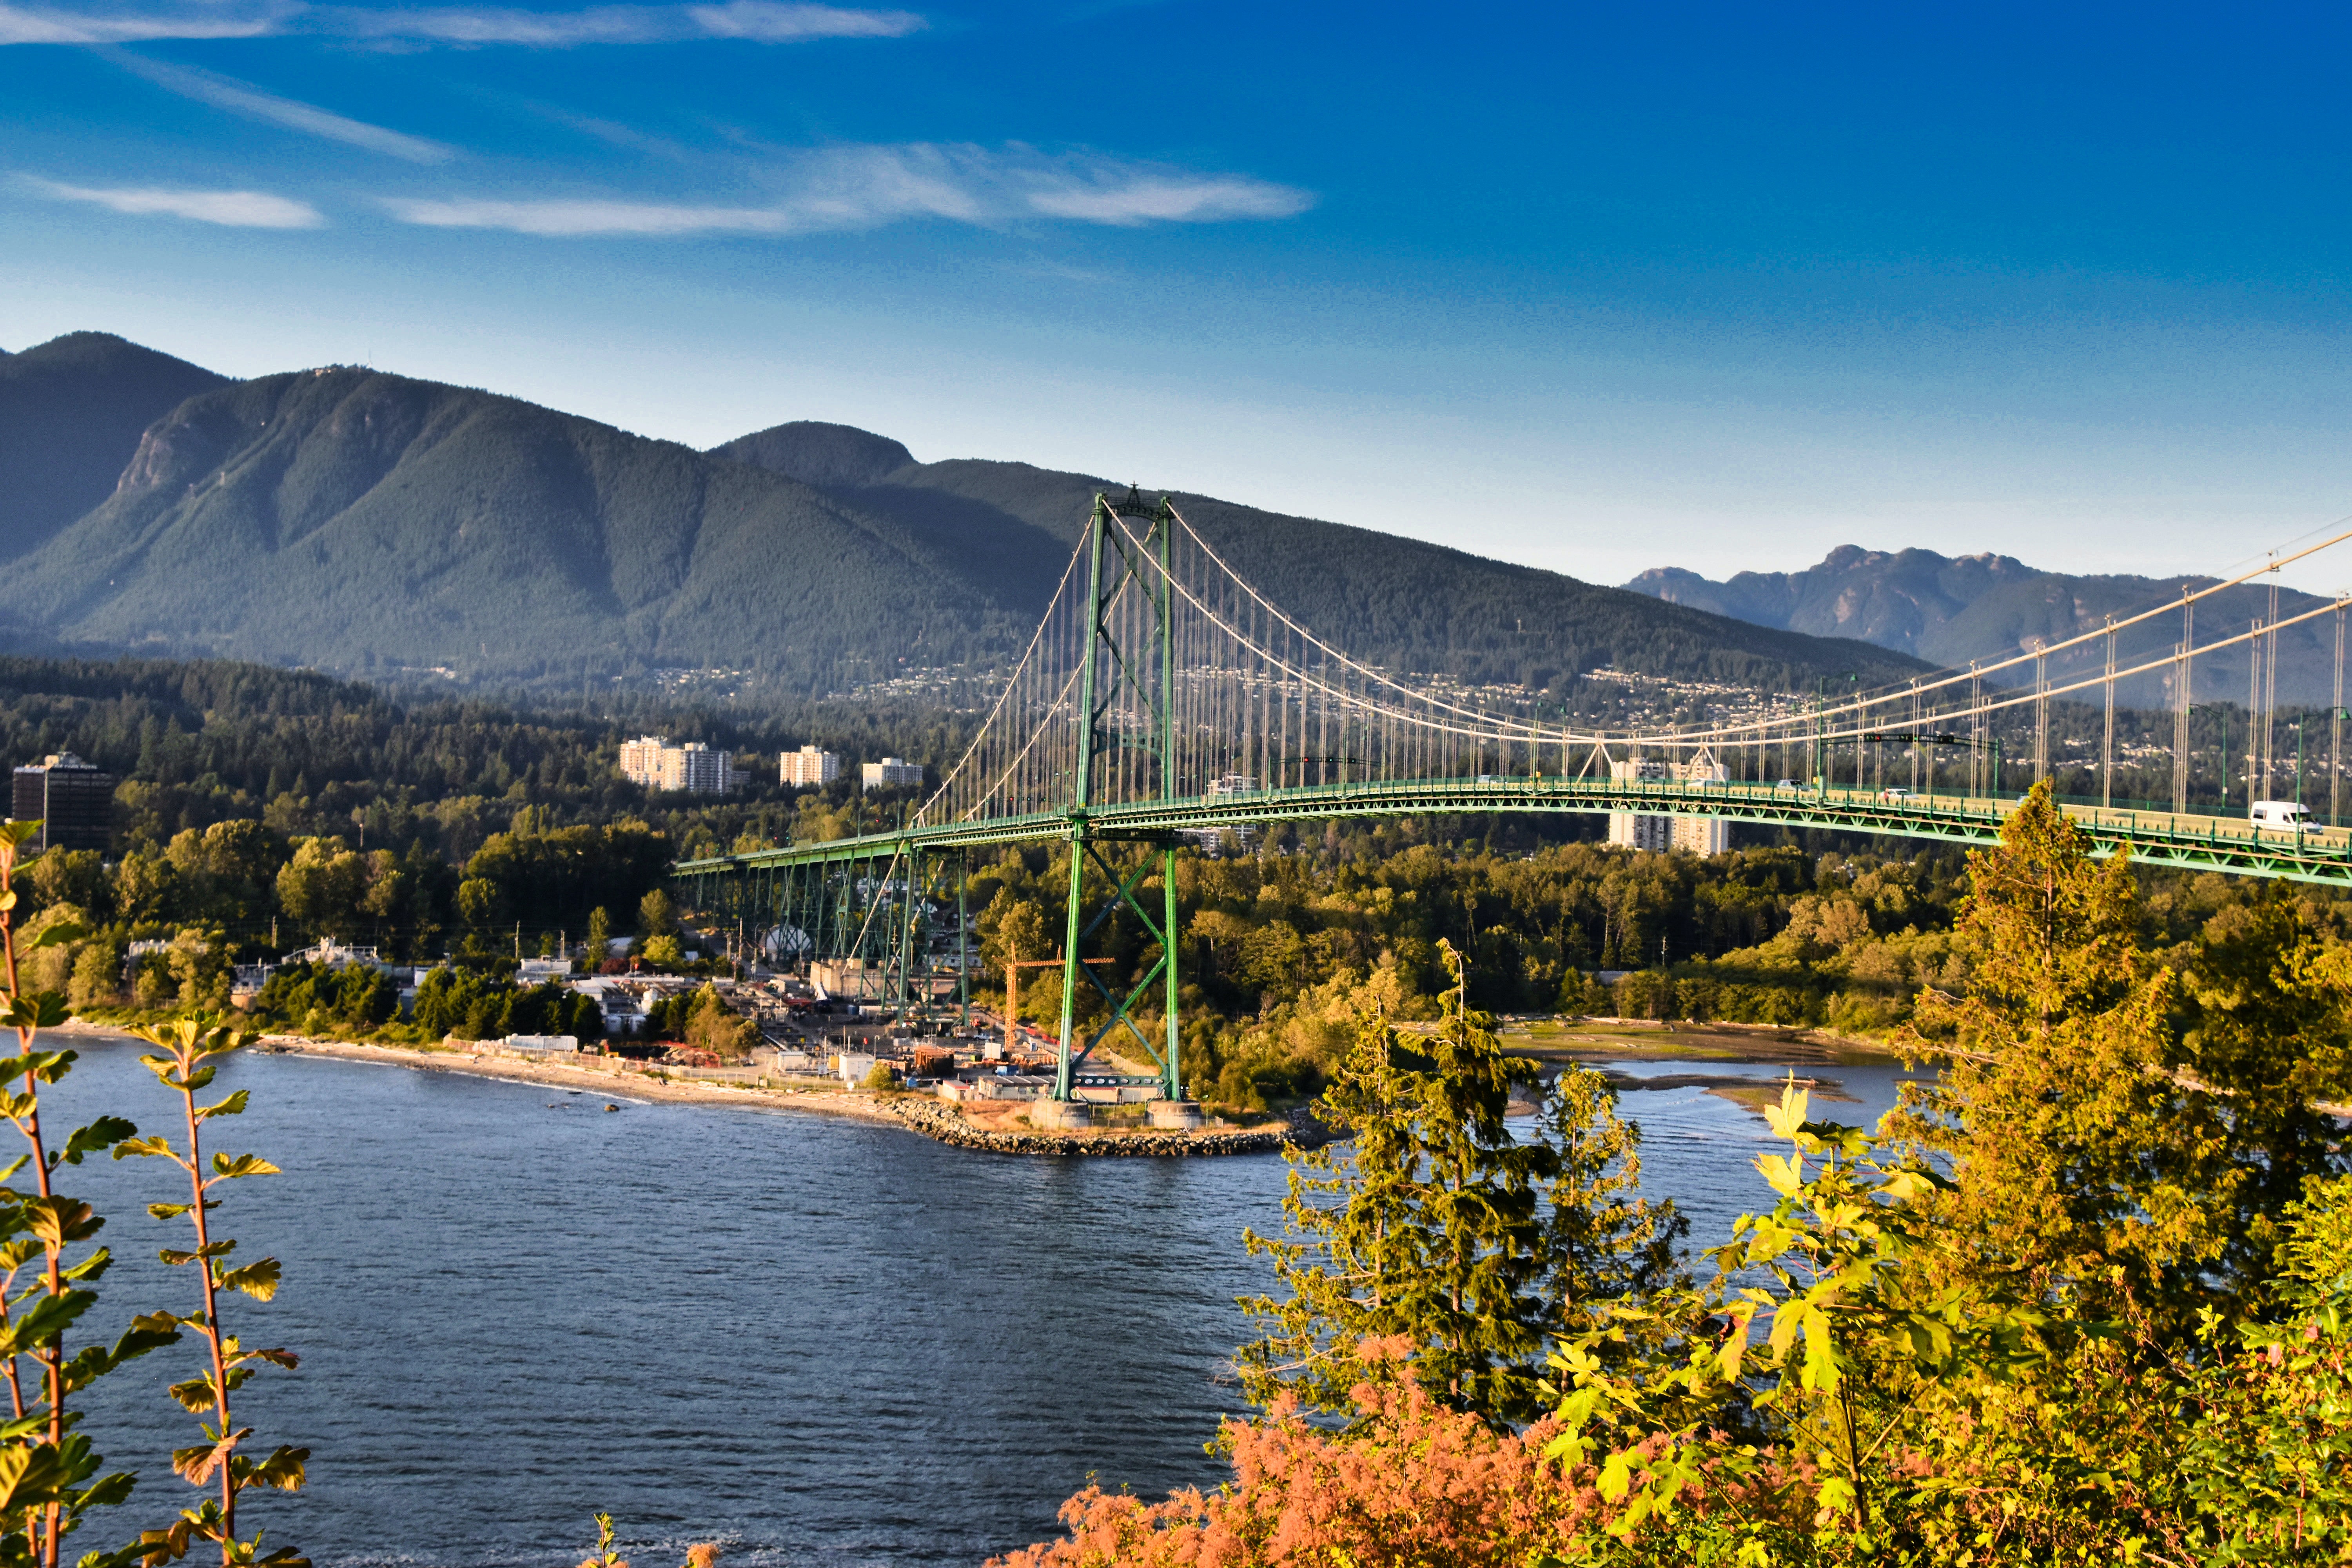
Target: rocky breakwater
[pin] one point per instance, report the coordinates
(936, 1119)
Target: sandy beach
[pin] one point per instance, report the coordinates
(993, 1127)
(612, 1081)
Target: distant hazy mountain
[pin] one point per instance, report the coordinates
(355, 520)
(71, 412)
(1955, 610)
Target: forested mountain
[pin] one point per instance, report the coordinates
(1953, 611)
(345, 519)
(1392, 601)
(71, 413)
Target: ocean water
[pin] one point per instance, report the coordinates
(815, 1341)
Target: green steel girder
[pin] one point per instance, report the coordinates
(2162, 839)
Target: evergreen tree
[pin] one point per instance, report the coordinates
(1605, 1243)
(1442, 1229)
(2082, 1162)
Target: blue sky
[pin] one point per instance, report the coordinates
(1593, 289)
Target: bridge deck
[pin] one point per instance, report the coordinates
(2157, 838)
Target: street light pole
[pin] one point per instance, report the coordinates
(2223, 710)
(2297, 727)
(2336, 717)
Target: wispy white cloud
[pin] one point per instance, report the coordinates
(240, 98)
(588, 217)
(765, 22)
(236, 209)
(866, 187)
(1120, 196)
(51, 25)
(757, 21)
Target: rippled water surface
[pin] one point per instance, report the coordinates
(820, 1341)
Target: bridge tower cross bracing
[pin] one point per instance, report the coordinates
(1126, 671)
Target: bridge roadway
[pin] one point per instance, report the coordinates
(2231, 845)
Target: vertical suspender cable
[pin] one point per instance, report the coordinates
(2107, 756)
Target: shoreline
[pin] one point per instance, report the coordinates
(919, 1115)
(945, 1122)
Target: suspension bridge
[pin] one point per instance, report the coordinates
(1163, 700)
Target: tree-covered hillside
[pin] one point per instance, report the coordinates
(1392, 601)
(1956, 611)
(71, 413)
(225, 771)
(364, 521)
(376, 525)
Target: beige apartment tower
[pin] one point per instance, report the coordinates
(808, 766)
(691, 769)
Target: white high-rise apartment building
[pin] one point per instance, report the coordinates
(890, 772)
(1641, 830)
(691, 769)
(808, 766)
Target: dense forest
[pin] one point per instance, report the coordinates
(379, 525)
(259, 809)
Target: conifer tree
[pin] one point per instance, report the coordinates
(1437, 1226)
(2269, 1030)
(1605, 1242)
(2082, 1162)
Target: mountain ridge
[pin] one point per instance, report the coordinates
(71, 412)
(1958, 611)
(359, 521)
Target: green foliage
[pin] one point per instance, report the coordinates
(2064, 1307)
(879, 1079)
(50, 1476)
(2084, 1155)
(189, 1056)
(543, 878)
(475, 1005)
(1447, 1232)
(712, 1026)
(656, 916)
(356, 998)
(465, 1003)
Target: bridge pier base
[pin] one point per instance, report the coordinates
(1061, 1115)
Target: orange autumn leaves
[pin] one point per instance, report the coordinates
(1411, 1485)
